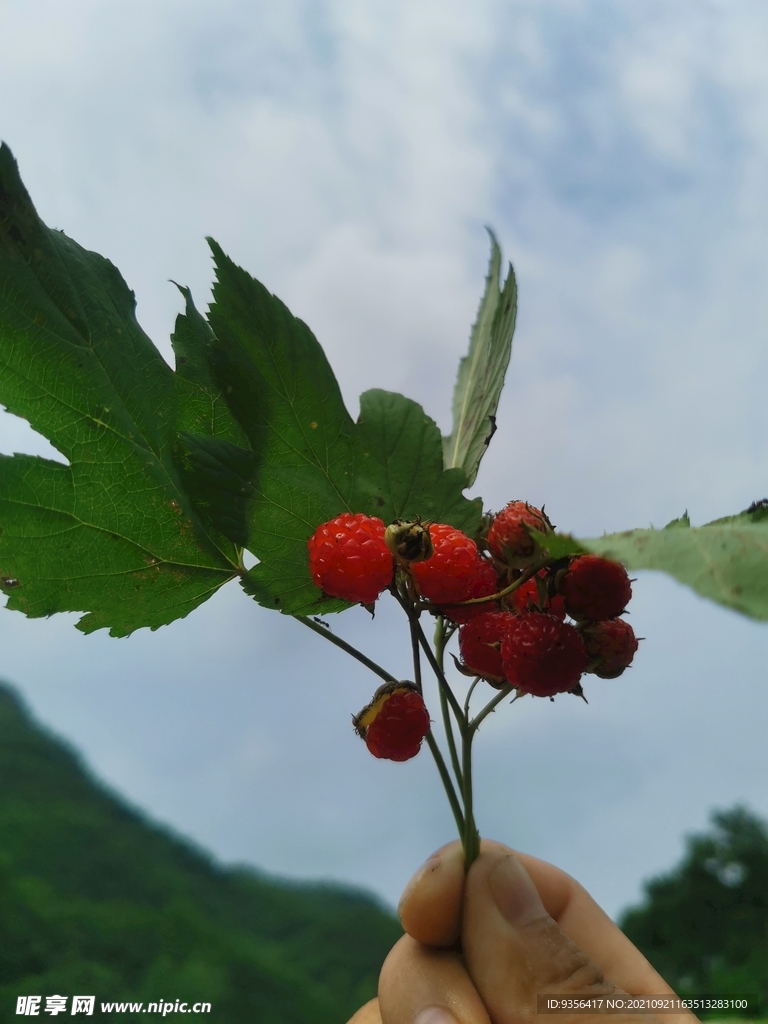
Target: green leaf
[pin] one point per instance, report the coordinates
(312, 460)
(114, 533)
(482, 371)
(170, 475)
(400, 466)
(725, 561)
(558, 545)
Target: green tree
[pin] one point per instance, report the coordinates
(704, 926)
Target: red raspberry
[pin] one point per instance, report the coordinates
(508, 537)
(611, 646)
(349, 559)
(451, 572)
(483, 585)
(595, 588)
(480, 645)
(394, 723)
(542, 655)
(526, 599)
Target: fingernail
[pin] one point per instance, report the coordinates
(515, 894)
(435, 1015)
(430, 864)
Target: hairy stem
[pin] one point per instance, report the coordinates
(530, 571)
(440, 641)
(416, 656)
(468, 698)
(447, 782)
(444, 685)
(353, 651)
(470, 835)
(490, 706)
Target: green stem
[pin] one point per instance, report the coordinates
(530, 571)
(416, 657)
(328, 635)
(470, 835)
(490, 706)
(439, 649)
(432, 742)
(447, 782)
(460, 720)
(468, 698)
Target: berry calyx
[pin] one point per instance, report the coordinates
(409, 541)
(482, 584)
(595, 588)
(611, 646)
(449, 575)
(349, 559)
(395, 722)
(508, 536)
(528, 598)
(480, 645)
(542, 655)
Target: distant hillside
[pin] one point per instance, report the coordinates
(95, 900)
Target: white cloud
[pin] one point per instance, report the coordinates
(348, 155)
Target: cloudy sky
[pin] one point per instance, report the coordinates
(349, 155)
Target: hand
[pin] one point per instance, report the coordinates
(523, 927)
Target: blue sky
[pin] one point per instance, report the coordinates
(349, 156)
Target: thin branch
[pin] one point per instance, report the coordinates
(441, 679)
(447, 724)
(491, 705)
(470, 835)
(530, 571)
(468, 698)
(353, 651)
(447, 781)
(416, 657)
(414, 619)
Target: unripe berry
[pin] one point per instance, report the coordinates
(611, 646)
(349, 559)
(542, 655)
(480, 645)
(508, 536)
(395, 722)
(595, 588)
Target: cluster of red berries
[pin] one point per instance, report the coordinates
(514, 630)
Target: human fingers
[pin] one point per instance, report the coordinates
(431, 909)
(514, 950)
(368, 1014)
(422, 985)
(590, 928)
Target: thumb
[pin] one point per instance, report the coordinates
(512, 948)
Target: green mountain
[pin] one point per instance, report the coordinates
(704, 925)
(96, 900)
